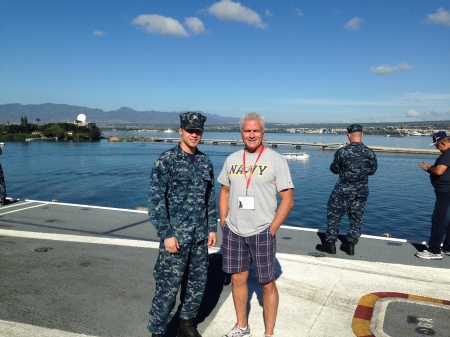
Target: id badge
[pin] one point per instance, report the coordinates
(246, 202)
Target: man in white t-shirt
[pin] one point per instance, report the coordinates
(250, 217)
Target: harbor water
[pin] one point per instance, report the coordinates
(116, 175)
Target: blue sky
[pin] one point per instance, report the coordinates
(292, 61)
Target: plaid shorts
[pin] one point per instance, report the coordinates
(239, 252)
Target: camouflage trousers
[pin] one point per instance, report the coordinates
(2, 184)
(338, 206)
(186, 270)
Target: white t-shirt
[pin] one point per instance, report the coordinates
(270, 176)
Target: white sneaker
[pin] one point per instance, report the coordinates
(238, 332)
(429, 256)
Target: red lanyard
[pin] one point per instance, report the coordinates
(252, 169)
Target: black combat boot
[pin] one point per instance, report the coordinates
(328, 247)
(349, 248)
(186, 329)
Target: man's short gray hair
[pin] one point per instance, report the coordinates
(252, 116)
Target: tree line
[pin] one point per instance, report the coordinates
(61, 131)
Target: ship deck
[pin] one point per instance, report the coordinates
(78, 270)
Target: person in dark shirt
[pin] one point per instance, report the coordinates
(440, 179)
(354, 163)
(3, 199)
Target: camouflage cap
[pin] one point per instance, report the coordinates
(354, 128)
(192, 121)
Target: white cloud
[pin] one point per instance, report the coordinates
(268, 13)
(99, 33)
(441, 17)
(157, 24)
(195, 25)
(234, 11)
(387, 69)
(353, 24)
(299, 12)
(412, 113)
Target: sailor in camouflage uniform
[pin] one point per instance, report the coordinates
(182, 207)
(354, 163)
(3, 199)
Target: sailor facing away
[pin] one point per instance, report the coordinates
(354, 164)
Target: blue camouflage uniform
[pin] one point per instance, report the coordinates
(181, 204)
(354, 163)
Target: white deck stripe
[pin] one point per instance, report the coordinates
(89, 206)
(20, 209)
(15, 329)
(13, 204)
(81, 239)
(85, 239)
(383, 238)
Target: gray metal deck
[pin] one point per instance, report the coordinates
(79, 270)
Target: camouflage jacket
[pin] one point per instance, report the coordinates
(354, 163)
(182, 201)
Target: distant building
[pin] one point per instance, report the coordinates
(81, 119)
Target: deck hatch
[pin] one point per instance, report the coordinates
(43, 249)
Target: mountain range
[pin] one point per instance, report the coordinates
(60, 113)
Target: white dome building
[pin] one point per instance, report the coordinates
(81, 118)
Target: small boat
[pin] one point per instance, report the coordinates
(419, 133)
(2, 144)
(296, 155)
(168, 131)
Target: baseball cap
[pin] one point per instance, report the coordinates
(438, 136)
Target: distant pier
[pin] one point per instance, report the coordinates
(276, 144)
